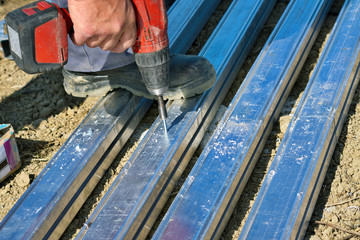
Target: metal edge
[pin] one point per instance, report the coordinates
(217, 208)
(301, 196)
(47, 197)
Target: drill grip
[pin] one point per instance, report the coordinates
(151, 21)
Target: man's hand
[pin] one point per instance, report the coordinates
(108, 24)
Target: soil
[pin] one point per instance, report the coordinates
(44, 116)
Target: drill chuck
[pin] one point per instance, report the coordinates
(154, 69)
(152, 48)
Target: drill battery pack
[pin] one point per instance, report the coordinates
(38, 36)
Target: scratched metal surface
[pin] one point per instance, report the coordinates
(55, 196)
(206, 200)
(286, 200)
(131, 205)
(62, 183)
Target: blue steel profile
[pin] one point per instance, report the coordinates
(45, 211)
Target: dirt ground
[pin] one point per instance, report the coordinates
(44, 116)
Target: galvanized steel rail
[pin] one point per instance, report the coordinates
(207, 198)
(133, 202)
(203, 205)
(53, 199)
(286, 200)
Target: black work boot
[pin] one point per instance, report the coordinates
(189, 75)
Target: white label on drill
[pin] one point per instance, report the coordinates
(14, 41)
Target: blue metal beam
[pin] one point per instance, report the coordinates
(286, 200)
(204, 204)
(133, 202)
(53, 199)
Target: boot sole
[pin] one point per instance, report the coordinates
(102, 87)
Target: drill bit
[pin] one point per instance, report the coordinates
(162, 111)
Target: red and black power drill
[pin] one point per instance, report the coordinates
(38, 41)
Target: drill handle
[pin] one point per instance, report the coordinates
(151, 18)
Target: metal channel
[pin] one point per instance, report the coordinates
(133, 202)
(60, 185)
(204, 204)
(286, 200)
(53, 199)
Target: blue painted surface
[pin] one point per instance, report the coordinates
(205, 202)
(3, 34)
(286, 200)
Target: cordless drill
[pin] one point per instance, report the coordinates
(38, 41)
(152, 48)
